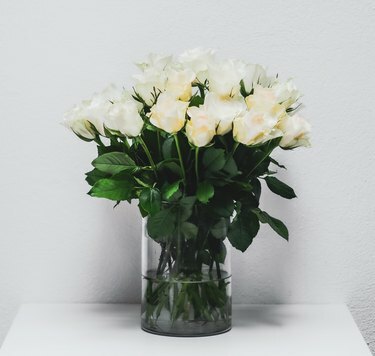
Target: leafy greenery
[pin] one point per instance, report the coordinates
(280, 188)
(243, 230)
(150, 200)
(274, 223)
(118, 187)
(205, 191)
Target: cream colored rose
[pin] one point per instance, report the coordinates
(200, 129)
(75, 120)
(223, 110)
(168, 113)
(197, 60)
(265, 100)
(92, 111)
(255, 75)
(286, 93)
(224, 77)
(149, 83)
(123, 116)
(156, 61)
(179, 83)
(255, 127)
(296, 131)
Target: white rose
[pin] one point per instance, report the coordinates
(74, 119)
(224, 111)
(155, 61)
(200, 129)
(151, 80)
(287, 93)
(168, 113)
(265, 100)
(254, 128)
(179, 83)
(224, 77)
(92, 111)
(197, 60)
(296, 132)
(123, 116)
(255, 75)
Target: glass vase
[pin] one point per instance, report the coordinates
(186, 281)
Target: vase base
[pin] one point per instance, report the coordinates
(192, 331)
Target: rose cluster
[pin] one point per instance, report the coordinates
(200, 95)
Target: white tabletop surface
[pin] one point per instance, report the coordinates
(114, 330)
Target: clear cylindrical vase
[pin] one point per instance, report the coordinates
(186, 279)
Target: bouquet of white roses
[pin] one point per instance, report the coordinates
(191, 141)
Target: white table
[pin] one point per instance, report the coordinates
(113, 330)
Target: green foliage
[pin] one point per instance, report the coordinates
(277, 163)
(213, 159)
(114, 162)
(196, 100)
(118, 187)
(185, 207)
(243, 229)
(276, 224)
(161, 224)
(169, 190)
(169, 148)
(280, 188)
(220, 229)
(205, 192)
(182, 197)
(150, 200)
(93, 176)
(189, 230)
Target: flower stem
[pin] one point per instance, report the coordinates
(148, 154)
(180, 158)
(159, 146)
(196, 163)
(99, 141)
(126, 143)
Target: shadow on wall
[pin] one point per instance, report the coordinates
(117, 258)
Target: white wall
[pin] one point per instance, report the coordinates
(58, 244)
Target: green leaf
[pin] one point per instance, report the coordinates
(119, 187)
(222, 205)
(171, 166)
(142, 183)
(276, 224)
(214, 159)
(243, 90)
(188, 230)
(205, 257)
(257, 188)
(230, 167)
(260, 160)
(280, 188)
(220, 229)
(185, 207)
(93, 176)
(114, 162)
(277, 163)
(170, 189)
(205, 192)
(161, 225)
(150, 200)
(169, 148)
(196, 100)
(222, 253)
(243, 230)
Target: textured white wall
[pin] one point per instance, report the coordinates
(58, 244)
